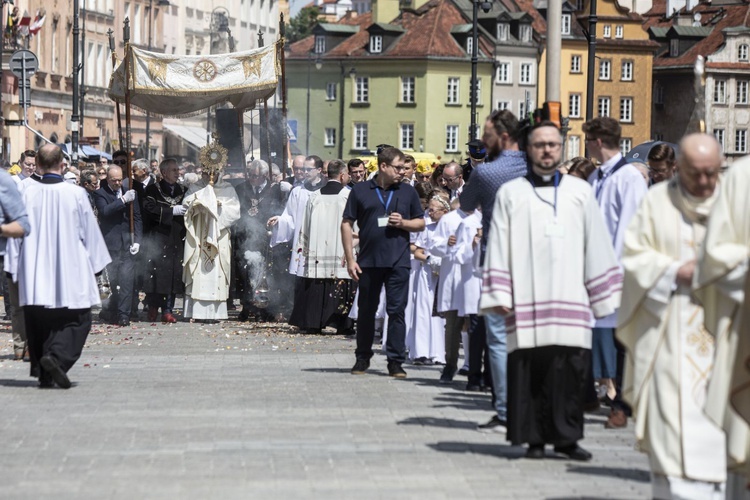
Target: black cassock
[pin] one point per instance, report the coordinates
(165, 239)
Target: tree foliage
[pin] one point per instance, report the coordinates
(301, 25)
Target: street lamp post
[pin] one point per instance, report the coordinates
(486, 6)
(219, 24)
(76, 69)
(160, 3)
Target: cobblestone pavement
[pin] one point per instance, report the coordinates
(240, 410)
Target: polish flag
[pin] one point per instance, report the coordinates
(38, 22)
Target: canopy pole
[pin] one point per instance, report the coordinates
(128, 131)
(110, 36)
(284, 134)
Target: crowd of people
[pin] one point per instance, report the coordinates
(569, 284)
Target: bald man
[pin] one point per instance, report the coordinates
(670, 354)
(453, 175)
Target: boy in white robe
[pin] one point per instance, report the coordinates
(723, 288)
(547, 298)
(669, 353)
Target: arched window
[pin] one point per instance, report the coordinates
(53, 138)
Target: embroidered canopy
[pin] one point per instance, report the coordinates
(166, 85)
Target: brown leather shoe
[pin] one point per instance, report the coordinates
(617, 419)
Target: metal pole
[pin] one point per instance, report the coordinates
(591, 62)
(74, 117)
(3, 26)
(307, 116)
(284, 136)
(110, 36)
(83, 66)
(148, 115)
(474, 62)
(341, 110)
(554, 48)
(128, 131)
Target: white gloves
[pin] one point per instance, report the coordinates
(179, 210)
(134, 248)
(128, 196)
(434, 263)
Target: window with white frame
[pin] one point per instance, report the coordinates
(626, 145)
(360, 136)
(574, 146)
(720, 92)
(320, 44)
(627, 71)
(453, 89)
(503, 31)
(407, 89)
(470, 45)
(526, 76)
(376, 44)
(565, 29)
(521, 109)
(626, 109)
(618, 31)
(501, 105)
(502, 75)
(330, 91)
(362, 89)
(575, 64)
(742, 91)
(740, 141)
(742, 52)
(719, 134)
(406, 136)
(605, 106)
(574, 105)
(330, 137)
(605, 69)
(451, 138)
(525, 32)
(607, 31)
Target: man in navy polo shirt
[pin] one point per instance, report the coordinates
(386, 211)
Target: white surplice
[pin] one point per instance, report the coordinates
(551, 271)
(459, 288)
(669, 353)
(289, 223)
(425, 333)
(64, 278)
(723, 288)
(619, 194)
(320, 241)
(212, 209)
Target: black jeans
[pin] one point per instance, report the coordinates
(396, 281)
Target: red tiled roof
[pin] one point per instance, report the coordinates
(539, 24)
(427, 34)
(718, 17)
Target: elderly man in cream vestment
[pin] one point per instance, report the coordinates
(213, 207)
(723, 287)
(670, 354)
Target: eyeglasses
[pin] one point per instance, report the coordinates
(451, 179)
(544, 145)
(397, 168)
(120, 162)
(308, 169)
(254, 176)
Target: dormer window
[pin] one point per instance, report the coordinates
(470, 45)
(524, 32)
(320, 44)
(376, 44)
(674, 47)
(607, 31)
(503, 31)
(579, 5)
(742, 52)
(566, 24)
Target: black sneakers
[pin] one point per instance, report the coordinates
(360, 367)
(395, 370)
(448, 373)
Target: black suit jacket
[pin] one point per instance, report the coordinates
(114, 218)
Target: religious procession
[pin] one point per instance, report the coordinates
(558, 287)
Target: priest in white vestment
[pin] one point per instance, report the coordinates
(212, 209)
(55, 267)
(723, 288)
(325, 291)
(546, 272)
(670, 355)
